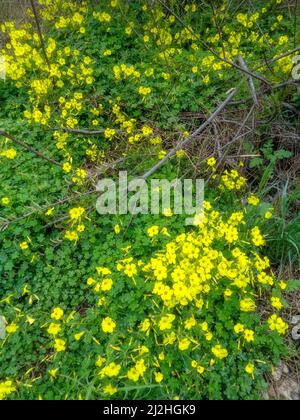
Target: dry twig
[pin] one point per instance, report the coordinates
(27, 147)
(250, 80)
(182, 144)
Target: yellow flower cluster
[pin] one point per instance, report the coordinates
(277, 324)
(9, 153)
(6, 388)
(232, 181)
(124, 71)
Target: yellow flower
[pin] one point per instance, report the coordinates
(144, 90)
(250, 368)
(9, 153)
(109, 389)
(133, 374)
(100, 361)
(111, 370)
(257, 237)
(161, 154)
(76, 213)
(11, 328)
(106, 285)
(57, 313)
(78, 336)
(59, 345)
(53, 373)
(208, 336)
(253, 200)
(54, 328)
(180, 153)
(190, 323)
(153, 231)
(194, 363)
(211, 162)
(184, 344)
(166, 322)
(204, 326)
(200, 369)
(109, 133)
(220, 352)
(228, 293)
(277, 324)
(30, 320)
(147, 131)
(130, 270)
(6, 388)
(249, 335)
(80, 228)
(239, 328)
(108, 325)
(268, 215)
(168, 212)
(67, 167)
(5, 201)
(206, 79)
(117, 229)
(24, 246)
(71, 235)
(145, 325)
(276, 303)
(49, 212)
(282, 285)
(247, 305)
(158, 377)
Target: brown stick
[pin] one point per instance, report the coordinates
(250, 80)
(36, 16)
(85, 131)
(29, 148)
(287, 83)
(284, 55)
(184, 142)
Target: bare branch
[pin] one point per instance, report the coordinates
(85, 131)
(182, 144)
(284, 55)
(37, 20)
(250, 80)
(29, 148)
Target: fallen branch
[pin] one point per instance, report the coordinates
(250, 80)
(287, 83)
(297, 49)
(85, 131)
(262, 92)
(29, 148)
(37, 20)
(182, 144)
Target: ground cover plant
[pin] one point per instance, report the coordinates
(121, 307)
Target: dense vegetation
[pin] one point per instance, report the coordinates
(123, 307)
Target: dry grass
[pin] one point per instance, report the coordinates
(13, 10)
